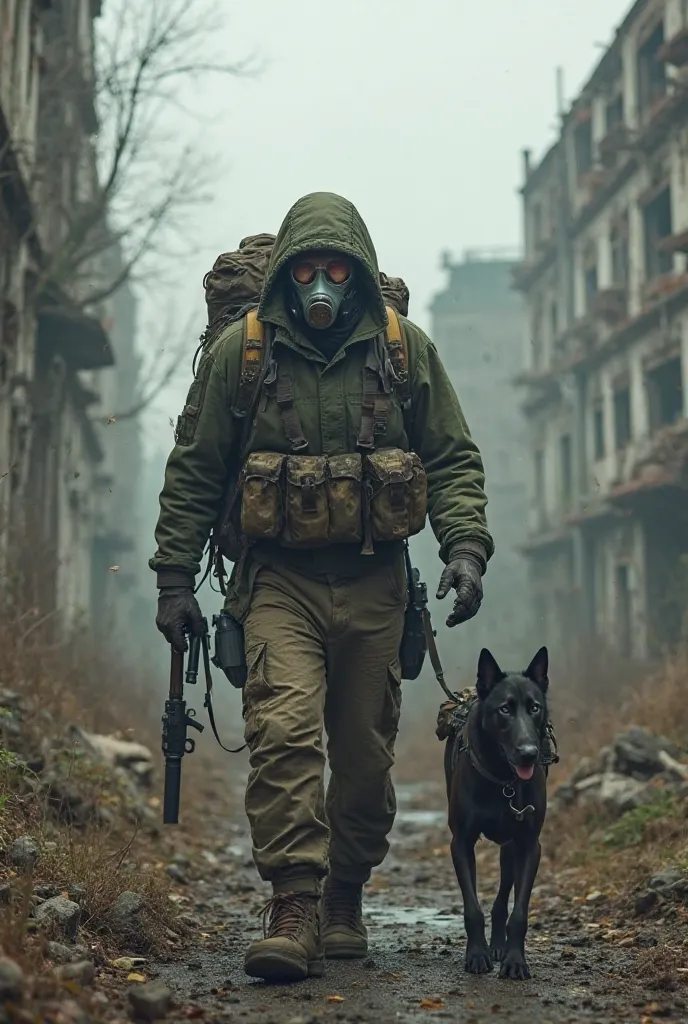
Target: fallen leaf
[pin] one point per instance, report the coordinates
(431, 1004)
(335, 999)
(134, 976)
(128, 963)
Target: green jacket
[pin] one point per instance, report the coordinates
(328, 399)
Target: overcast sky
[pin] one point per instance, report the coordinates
(416, 110)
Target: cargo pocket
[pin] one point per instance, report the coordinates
(187, 423)
(256, 690)
(307, 513)
(262, 506)
(344, 498)
(394, 485)
(392, 712)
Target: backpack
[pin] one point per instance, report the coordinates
(232, 292)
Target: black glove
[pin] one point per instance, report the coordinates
(179, 613)
(464, 572)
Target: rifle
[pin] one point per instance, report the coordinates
(177, 719)
(175, 722)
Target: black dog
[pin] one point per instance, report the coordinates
(497, 787)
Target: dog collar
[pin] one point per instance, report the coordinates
(508, 789)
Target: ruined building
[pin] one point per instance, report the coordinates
(478, 322)
(605, 388)
(55, 466)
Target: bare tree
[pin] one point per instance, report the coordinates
(119, 197)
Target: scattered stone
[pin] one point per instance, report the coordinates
(61, 915)
(59, 953)
(645, 902)
(5, 893)
(68, 803)
(150, 1002)
(637, 753)
(583, 770)
(128, 963)
(46, 892)
(123, 916)
(82, 972)
(646, 940)
(665, 879)
(11, 981)
(76, 892)
(620, 793)
(175, 872)
(23, 854)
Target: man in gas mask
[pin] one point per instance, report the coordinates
(356, 432)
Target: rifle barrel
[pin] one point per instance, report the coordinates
(173, 785)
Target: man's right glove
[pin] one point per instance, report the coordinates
(178, 613)
(464, 571)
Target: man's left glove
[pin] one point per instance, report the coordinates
(464, 572)
(178, 610)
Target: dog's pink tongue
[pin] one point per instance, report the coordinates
(525, 773)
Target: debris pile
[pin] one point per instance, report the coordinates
(638, 768)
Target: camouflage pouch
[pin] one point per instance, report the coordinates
(307, 514)
(344, 486)
(262, 504)
(227, 529)
(397, 494)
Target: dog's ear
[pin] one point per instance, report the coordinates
(489, 673)
(538, 669)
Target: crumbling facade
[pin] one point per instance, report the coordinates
(605, 277)
(56, 463)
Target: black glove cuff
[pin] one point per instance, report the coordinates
(472, 550)
(175, 578)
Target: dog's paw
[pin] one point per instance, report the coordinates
(478, 961)
(514, 967)
(497, 952)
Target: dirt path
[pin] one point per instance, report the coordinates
(415, 968)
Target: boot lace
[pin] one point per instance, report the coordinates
(343, 905)
(286, 916)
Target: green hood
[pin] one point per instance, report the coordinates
(323, 220)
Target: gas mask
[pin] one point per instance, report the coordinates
(321, 285)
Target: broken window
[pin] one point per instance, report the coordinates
(658, 225)
(598, 430)
(614, 113)
(620, 253)
(590, 285)
(566, 470)
(583, 146)
(652, 81)
(665, 393)
(622, 417)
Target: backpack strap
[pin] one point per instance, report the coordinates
(251, 362)
(397, 350)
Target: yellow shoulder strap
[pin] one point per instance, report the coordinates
(398, 352)
(251, 358)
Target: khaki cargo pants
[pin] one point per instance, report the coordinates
(322, 652)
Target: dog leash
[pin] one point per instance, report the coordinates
(434, 654)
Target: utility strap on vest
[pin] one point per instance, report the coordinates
(290, 417)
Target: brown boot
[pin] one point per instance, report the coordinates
(345, 937)
(291, 948)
